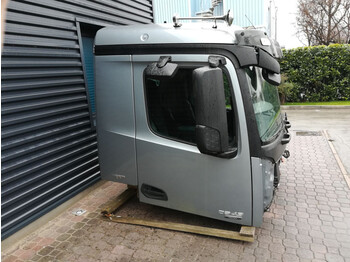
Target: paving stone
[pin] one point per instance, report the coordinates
(278, 234)
(331, 243)
(9, 258)
(45, 251)
(318, 248)
(345, 252)
(333, 250)
(334, 258)
(55, 253)
(305, 253)
(63, 237)
(262, 253)
(290, 243)
(277, 248)
(316, 234)
(289, 258)
(264, 238)
(46, 259)
(36, 258)
(247, 257)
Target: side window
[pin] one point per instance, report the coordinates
(170, 106)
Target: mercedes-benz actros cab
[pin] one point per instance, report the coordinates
(190, 114)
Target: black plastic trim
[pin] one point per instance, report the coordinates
(275, 149)
(246, 55)
(252, 127)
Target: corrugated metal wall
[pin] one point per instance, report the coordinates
(240, 9)
(204, 5)
(49, 150)
(164, 10)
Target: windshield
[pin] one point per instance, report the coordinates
(265, 102)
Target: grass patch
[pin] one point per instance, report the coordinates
(331, 103)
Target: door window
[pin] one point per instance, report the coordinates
(170, 106)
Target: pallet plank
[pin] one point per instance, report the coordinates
(245, 234)
(185, 228)
(247, 231)
(114, 204)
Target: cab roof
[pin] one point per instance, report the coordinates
(200, 32)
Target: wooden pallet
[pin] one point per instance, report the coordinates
(245, 234)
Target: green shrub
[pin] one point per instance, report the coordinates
(319, 73)
(285, 89)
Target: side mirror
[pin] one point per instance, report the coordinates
(272, 78)
(268, 62)
(210, 111)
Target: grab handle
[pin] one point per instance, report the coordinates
(286, 138)
(287, 124)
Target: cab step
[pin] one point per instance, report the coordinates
(246, 233)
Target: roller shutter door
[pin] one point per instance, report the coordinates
(49, 147)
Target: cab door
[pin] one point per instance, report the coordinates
(172, 172)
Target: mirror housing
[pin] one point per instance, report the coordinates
(210, 111)
(272, 78)
(267, 62)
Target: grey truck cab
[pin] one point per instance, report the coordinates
(191, 116)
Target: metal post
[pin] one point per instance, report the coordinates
(276, 9)
(269, 19)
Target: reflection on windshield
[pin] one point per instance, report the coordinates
(265, 102)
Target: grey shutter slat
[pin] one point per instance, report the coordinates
(23, 213)
(39, 41)
(14, 141)
(40, 103)
(40, 93)
(36, 20)
(49, 148)
(24, 128)
(52, 160)
(42, 154)
(29, 148)
(31, 84)
(39, 62)
(39, 72)
(12, 28)
(22, 117)
(13, 189)
(21, 51)
(32, 9)
(50, 182)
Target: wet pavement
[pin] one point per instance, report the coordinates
(309, 220)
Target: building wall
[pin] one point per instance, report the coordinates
(49, 147)
(242, 10)
(164, 10)
(245, 10)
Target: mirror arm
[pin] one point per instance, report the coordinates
(231, 153)
(216, 61)
(163, 60)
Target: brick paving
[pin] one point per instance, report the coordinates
(309, 220)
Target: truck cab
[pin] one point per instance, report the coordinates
(191, 116)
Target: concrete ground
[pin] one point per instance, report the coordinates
(309, 220)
